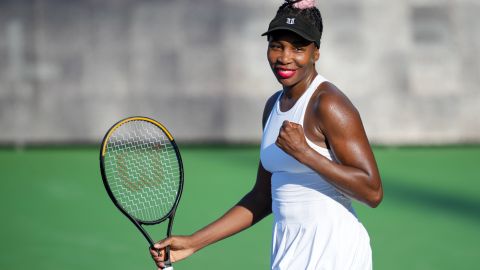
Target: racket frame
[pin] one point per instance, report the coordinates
(138, 223)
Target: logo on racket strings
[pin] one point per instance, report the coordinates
(135, 180)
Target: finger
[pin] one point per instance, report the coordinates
(282, 135)
(295, 125)
(158, 260)
(298, 128)
(157, 254)
(159, 267)
(163, 244)
(278, 143)
(286, 124)
(154, 253)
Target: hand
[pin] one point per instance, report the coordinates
(180, 248)
(291, 139)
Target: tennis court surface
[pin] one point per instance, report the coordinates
(57, 215)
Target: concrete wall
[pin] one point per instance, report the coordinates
(70, 69)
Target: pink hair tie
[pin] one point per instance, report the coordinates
(304, 4)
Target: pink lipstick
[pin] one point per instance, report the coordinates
(285, 73)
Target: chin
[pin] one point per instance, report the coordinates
(287, 82)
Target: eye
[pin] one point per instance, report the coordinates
(274, 46)
(299, 49)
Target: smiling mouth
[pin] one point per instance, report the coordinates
(285, 73)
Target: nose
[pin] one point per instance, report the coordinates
(285, 57)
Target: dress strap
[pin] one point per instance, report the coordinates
(308, 94)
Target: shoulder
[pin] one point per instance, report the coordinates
(269, 106)
(333, 107)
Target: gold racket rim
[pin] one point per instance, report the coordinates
(136, 118)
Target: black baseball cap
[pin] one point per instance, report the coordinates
(297, 25)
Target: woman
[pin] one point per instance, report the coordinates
(314, 157)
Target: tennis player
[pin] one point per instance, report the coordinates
(315, 157)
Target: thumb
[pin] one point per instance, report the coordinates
(293, 124)
(162, 244)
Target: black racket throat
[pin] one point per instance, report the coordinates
(149, 239)
(144, 232)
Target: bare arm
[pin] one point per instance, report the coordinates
(356, 173)
(253, 207)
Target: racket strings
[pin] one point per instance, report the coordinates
(142, 170)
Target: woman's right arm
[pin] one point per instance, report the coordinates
(253, 207)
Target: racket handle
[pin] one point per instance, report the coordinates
(167, 261)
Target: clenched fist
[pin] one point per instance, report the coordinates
(291, 139)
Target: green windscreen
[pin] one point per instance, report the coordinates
(142, 170)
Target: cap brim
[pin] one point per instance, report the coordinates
(296, 31)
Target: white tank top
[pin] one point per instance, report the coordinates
(288, 174)
(315, 226)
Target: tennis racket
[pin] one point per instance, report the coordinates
(143, 173)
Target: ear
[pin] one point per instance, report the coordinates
(316, 54)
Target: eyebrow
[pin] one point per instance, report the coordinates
(297, 42)
(302, 43)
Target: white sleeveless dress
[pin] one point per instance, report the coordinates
(315, 226)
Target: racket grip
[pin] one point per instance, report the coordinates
(167, 261)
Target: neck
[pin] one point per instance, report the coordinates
(295, 91)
